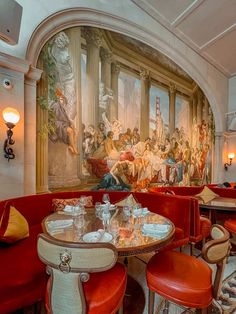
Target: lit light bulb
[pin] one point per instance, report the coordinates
(231, 155)
(11, 115)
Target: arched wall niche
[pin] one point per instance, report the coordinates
(88, 17)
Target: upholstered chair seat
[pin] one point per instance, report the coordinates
(187, 280)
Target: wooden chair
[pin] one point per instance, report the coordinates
(84, 277)
(186, 280)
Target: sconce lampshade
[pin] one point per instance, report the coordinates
(231, 155)
(11, 115)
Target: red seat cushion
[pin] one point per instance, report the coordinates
(103, 291)
(230, 225)
(180, 278)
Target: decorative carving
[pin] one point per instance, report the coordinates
(115, 68)
(172, 88)
(144, 74)
(84, 277)
(65, 258)
(106, 56)
(92, 36)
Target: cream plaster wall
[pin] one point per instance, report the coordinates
(123, 16)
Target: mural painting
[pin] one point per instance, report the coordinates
(119, 129)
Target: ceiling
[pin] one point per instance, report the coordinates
(207, 26)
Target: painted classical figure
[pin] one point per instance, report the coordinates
(107, 149)
(116, 179)
(114, 126)
(64, 129)
(105, 95)
(60, 53)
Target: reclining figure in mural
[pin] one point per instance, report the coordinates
(116, 179)
(64, 129)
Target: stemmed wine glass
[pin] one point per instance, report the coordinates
(83, 201)
(106, 198)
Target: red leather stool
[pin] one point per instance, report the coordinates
(230, 225)
(186, 280)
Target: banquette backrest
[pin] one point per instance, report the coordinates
(176, 208)
(35, 207)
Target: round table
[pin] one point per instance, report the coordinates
(129, 239)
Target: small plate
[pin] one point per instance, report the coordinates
(97, 236)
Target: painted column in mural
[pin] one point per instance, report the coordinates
(190, 112)
(94, 42)
(199, 106)
(105, 91)
(75, 51)
(205, 108)
(144, 114)
(115, 70)
(172, 94)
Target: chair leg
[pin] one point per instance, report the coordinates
(151, 300)
(202, 311)
(191, 248)
(121, 309)
(166, 307)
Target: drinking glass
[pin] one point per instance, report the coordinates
(106, 198)
(114, 229)
(126, 212)
(106, 215)
(98, 209)
(83, 201)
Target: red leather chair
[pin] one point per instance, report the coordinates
(84, 277)
(200, 226)
(230, 225)
(186, 280)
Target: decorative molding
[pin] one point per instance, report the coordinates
(14, 63)
(144, 74)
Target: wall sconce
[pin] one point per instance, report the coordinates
(230, 156)
(11, 117)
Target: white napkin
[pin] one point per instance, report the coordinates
(60, 224)
(155, 229)
(68, 209)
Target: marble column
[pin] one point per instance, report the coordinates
(106, 59)
(35, 146)
(115, 70)
(93, 39)
(172, 96)
(144, 108)
(42, 138)
(218, 167)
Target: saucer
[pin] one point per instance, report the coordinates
(97, 236)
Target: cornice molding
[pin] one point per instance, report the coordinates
(14, 63)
